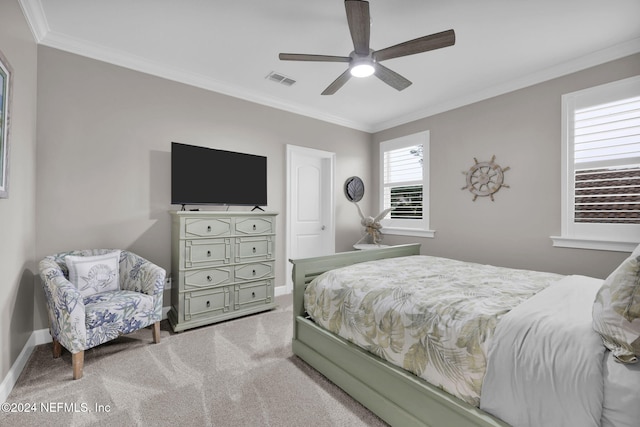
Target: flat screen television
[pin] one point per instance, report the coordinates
(207, 176)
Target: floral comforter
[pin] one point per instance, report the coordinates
(434, 317)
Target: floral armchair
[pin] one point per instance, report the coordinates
(79, 322)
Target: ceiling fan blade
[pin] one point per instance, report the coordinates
(318, 58)
(419, 45)
(337, 83)
(391, 78)
(359, 24)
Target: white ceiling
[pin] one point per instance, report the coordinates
(231, 46)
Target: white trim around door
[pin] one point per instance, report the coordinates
(310, 198)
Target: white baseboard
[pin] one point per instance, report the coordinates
(42, 336)
(281, 290)
(38, 337)
(16, 369)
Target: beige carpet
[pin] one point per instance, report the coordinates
(236, 373)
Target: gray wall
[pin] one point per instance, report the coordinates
(104, 137)
(522, 129)
(103, 174)
(17, 213)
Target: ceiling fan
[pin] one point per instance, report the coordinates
(364, 61)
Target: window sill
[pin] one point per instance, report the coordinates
(603, 245)
(409, 232)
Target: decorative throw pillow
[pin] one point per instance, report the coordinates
(94, 274)
(616, 311)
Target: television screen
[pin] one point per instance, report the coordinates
(207, 176)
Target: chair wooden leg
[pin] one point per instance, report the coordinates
(57, 349)
(156, 332)
(77, 360)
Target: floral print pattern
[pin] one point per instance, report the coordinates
(616, 311)
(80, 323)
(434, 317)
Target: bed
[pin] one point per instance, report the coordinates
(404, 394)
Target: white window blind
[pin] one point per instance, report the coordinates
(403, 182)
(601, 167)
(607, 162)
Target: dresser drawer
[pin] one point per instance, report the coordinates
(254, 271)
(251, 294)
(207, 303)
(253, 248)
(197, 279)
(207, 227)
(254, 226)
(206, 252)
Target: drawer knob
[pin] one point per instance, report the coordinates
(254, 227)
(208, 304)
(254, 250)
(209, 278)
(254, 272)
(208, 253)
(253, 294)
(208, 229)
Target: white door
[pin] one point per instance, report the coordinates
(310, 204)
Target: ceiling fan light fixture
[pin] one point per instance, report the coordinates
(364, 61)
(363, 69)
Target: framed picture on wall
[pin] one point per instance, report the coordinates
(5, 104)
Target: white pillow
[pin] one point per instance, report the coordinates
(616, 311)
(94, 274)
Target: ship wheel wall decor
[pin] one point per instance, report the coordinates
(485, 178)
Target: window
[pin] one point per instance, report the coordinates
(601, 167)
(404, 185)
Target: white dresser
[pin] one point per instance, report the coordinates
(222, 266)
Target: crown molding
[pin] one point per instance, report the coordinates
(34, 13)
(36, 18)
(578, 64)
(137, 63)
(116, 57)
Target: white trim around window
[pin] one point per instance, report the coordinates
(404, 174)
(605, 137)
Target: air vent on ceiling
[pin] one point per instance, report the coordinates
(279, 78)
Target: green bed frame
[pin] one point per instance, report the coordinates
(395, 395)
